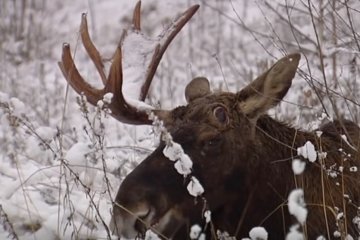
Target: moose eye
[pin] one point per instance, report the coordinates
(220, 114)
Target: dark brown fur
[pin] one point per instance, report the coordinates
(245, 167)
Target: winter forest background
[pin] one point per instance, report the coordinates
(61, 160)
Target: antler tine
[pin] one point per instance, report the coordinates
(74, 78)
(137, 16)
(90, 48)
(167, 37)
(119, 108)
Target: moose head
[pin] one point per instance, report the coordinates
(241, 156)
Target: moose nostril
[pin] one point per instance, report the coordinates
(142, 222)
(140, 227)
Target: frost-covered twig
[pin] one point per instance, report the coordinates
(87, 192)
(7, 225)
(183, 164)
(174, 152)
(97, 136)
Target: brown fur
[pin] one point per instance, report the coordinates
(244, 165)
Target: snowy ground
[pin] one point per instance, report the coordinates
(60, 166)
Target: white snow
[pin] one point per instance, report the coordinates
(356, 222)
(258, 233)
(100, 104)
(294, 233)
(195, 231)
(17, 106)
(4, 97)
(140, 105)
(307, 151)
(184, 165)
(173, 151)
(349, 237)
(322, 155)
(150, 235)
(207, 215)
(40, 145)
(138, 50)
(194, 187)
(337, 234)
(202, 236)
(298, 166)
(296, 205)
(76, 156)
(108, 97)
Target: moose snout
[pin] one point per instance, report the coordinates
(130, 222)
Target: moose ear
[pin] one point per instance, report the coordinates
(198, 87)
(267, 90)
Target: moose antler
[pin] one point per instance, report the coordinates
(120, 109)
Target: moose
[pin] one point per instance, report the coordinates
(241, 156)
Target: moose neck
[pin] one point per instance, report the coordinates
(280, 139)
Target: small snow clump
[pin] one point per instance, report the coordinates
(17, 106)
(108, 97)
(307, 151)
(195, 231)
(294, 233)
(100, 104)
(76, 155)
(298, 166)
(194, 187)
(207, 215)
(184, 165)
(296, 205)
(150, 235)
(258, 233)
(173, 151)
